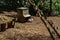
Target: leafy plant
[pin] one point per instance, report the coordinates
(56, 5)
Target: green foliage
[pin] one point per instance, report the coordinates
(56, 5)
(14, 3)
(20, 3)
(36, 1)
(9, 4)
(46, 4)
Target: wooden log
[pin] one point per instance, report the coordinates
(11, 24)
(2, 27)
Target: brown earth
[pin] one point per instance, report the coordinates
(34, 30)
(56, 22)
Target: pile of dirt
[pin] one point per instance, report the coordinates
(17, 34)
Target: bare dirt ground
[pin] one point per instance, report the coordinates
(34, 30)
(56, 22)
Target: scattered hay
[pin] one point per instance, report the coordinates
(16, 34)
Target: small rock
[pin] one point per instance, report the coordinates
(30, 20)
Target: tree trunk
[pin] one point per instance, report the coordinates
(50, 7)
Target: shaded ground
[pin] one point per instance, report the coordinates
(34, 30)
